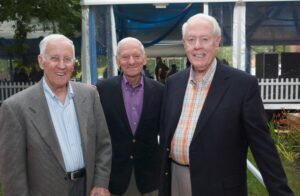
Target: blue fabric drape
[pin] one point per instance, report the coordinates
(164, 35)
(181, 15)
(92, 44)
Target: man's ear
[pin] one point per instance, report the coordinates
(145, 59)
(183, 42)
(41, 61)
(217, 41)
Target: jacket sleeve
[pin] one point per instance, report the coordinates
(103, 146)
(13, 172)
(262, 145)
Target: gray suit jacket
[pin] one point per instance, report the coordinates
(31, 161)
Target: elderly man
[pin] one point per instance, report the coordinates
(131, 104)
(211, 114)
(53, 136)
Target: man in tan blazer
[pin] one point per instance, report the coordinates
(53, 135)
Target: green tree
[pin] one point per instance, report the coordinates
(62, 16)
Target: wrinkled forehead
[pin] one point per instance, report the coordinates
(130, 47)
(199, 28)
(59, 45)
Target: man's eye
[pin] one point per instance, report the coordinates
(191, 40)
(54, 58)
(67, 60)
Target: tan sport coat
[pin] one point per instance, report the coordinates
(31, 161)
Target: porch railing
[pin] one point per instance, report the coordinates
(9, 88)
(280, 93)
(276, 93)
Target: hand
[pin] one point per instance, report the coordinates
(99, 191)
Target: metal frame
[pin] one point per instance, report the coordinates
(112, 2)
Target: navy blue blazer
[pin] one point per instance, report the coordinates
(232, 119)
(140, 151)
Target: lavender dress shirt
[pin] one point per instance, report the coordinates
(133, 100)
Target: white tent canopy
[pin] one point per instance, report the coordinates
(112, 2)
(239, 34)
(235, 32)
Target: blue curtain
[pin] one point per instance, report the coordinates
(92, 44)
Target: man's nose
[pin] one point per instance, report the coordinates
(131, 59)
(198, 43)
(61, 63)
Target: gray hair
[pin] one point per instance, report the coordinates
(201, 16)
(128, 39)
(52, 37)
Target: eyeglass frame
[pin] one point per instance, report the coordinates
(57, 59)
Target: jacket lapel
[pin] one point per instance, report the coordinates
(42, 121)
(146, 102)
(217, 89)
(82, 112)
(119, 103)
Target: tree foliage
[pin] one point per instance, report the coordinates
(63, 16)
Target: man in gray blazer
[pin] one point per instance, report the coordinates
(53, 136)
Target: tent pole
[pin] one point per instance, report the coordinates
(85, 56)
(239, 36)
(205, 8)
(113, 42)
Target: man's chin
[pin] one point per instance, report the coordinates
(200, 67)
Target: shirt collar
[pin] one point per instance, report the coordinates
(48, 90)
(207, 76)
(127, 84)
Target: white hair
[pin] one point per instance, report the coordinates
(130, 39)
(53, 37)
(201, 16)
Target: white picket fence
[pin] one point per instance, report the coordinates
(276, 93)
(280, 93)
(9, 88)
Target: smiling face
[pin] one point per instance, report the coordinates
(131, 59)
(200, 44)
(57, 63)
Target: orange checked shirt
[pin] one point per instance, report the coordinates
(194, 98)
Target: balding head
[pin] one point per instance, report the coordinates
(129, 40)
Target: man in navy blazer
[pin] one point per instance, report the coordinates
(132, 104)
(211, 114)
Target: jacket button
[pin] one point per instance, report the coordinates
(131, 157)
(133, 140)
(168, 149)
(166, 173)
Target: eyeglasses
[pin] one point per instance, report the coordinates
(57, 59)
(136, 57)
(192, 41)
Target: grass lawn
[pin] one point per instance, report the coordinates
(256, 189)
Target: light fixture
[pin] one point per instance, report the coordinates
(160, 5)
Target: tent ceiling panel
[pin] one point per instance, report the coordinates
(266, 22)
(113, 2)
